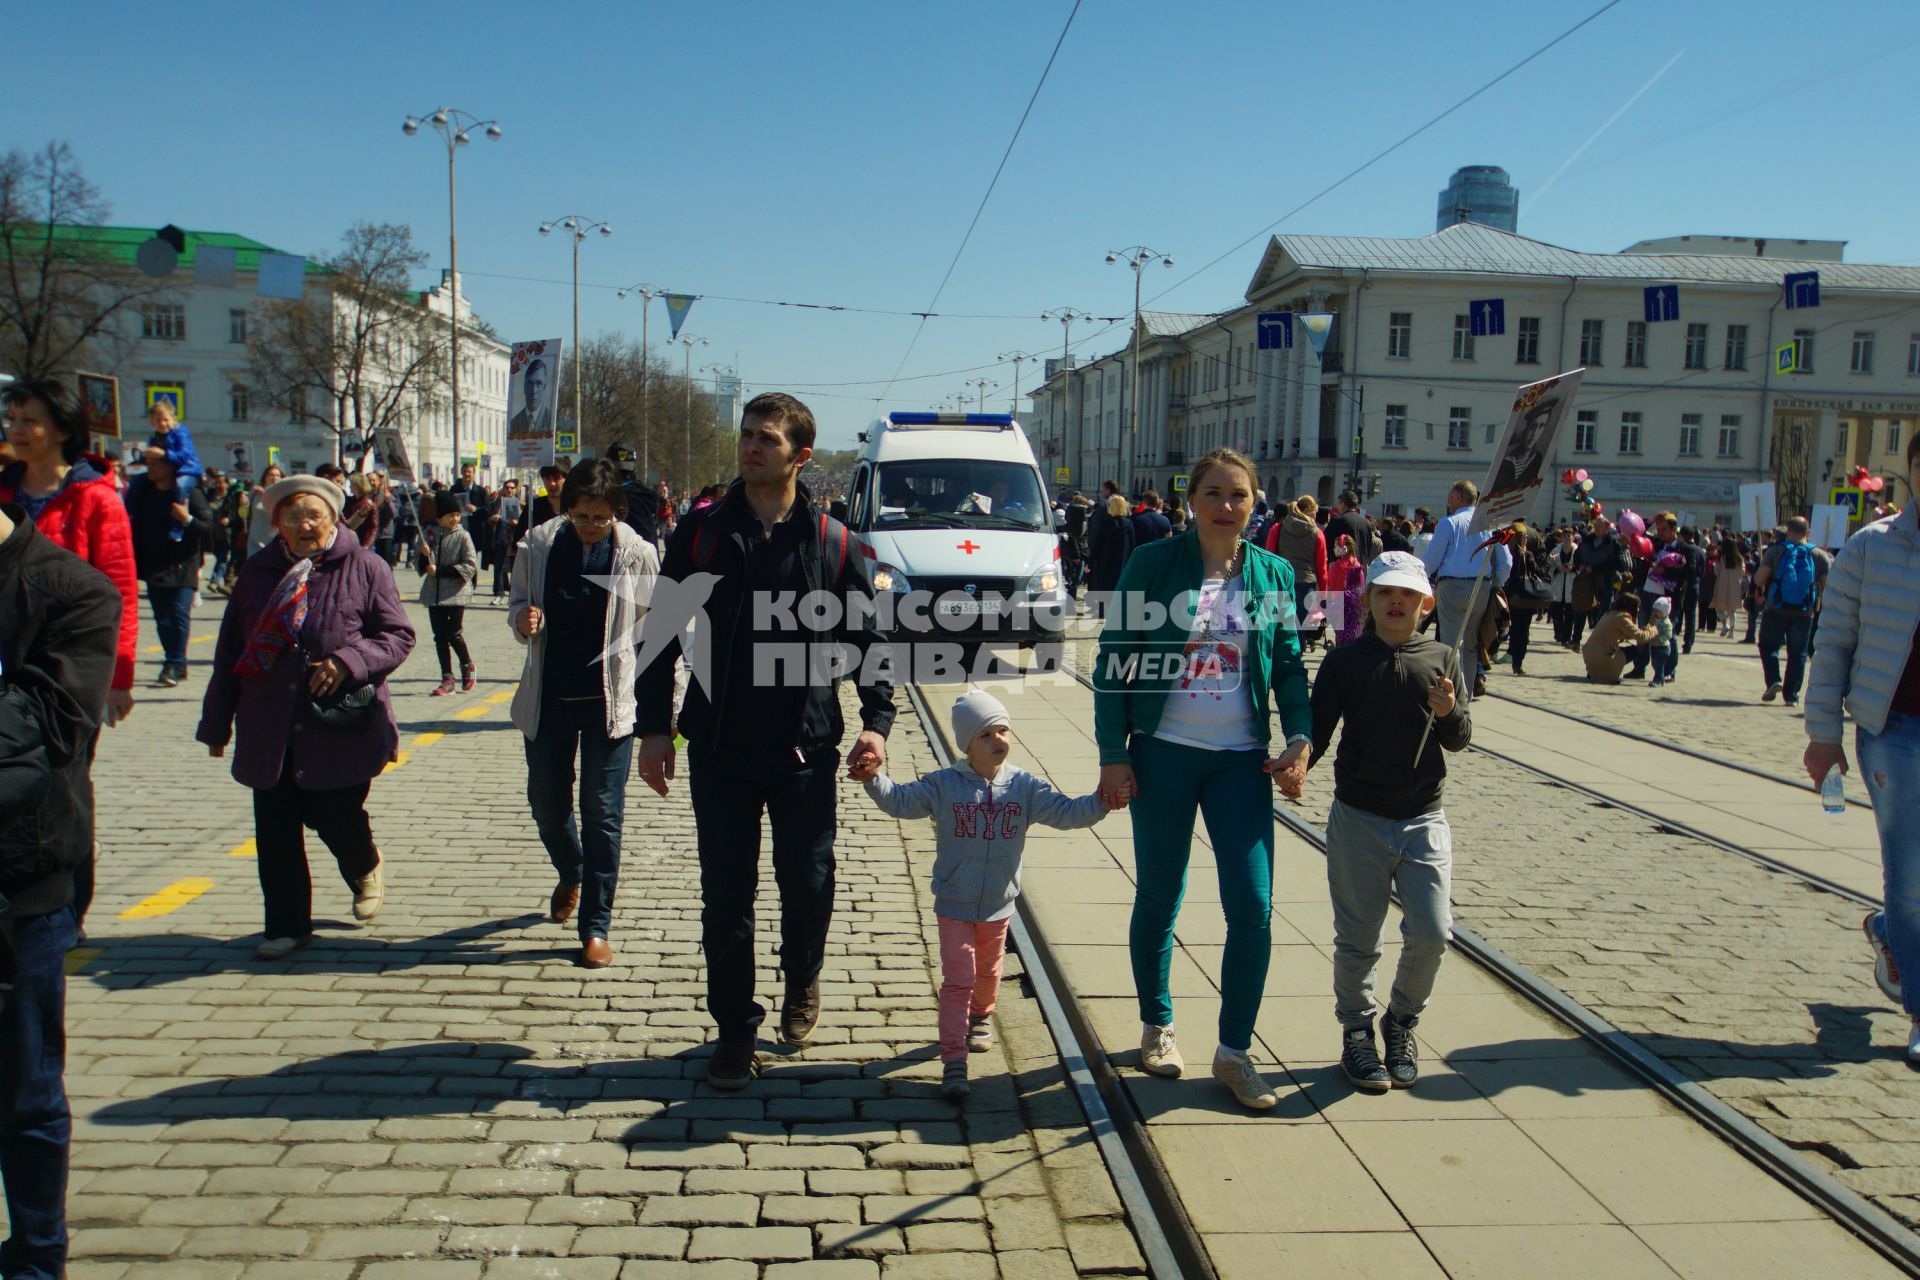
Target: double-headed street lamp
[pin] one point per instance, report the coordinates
(690, 342)
(980, 385)
(647, 294)
(1019, 358)
(720, 435)
(1066, 316)
(1135, 256)
(455, 128)
(579, 228)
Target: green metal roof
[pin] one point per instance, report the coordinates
(121, 243)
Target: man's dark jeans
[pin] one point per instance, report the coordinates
(594, 864)
(730, 787)
(36, 1129)
(173, 619)
(1794, 629)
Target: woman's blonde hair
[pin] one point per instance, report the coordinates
(1116, 505)
(1223, 458)
(1305, 505)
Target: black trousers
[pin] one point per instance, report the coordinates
(730, 788)
(445, 621)
(1519, 631)
(338, 816)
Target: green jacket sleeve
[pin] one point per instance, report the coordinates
(1119, 642)
(1287, 674)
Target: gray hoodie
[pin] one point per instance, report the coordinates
(981, 831)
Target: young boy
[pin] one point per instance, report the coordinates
(1666, 653)
(981, 811)
(172, 439)
(1386, 829)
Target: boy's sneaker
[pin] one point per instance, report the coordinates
(1773, 691)
(1158, 1053)
(1402, 1063)
(1885, 972)
(1361, 1061)
(953, 1080)
(1913, 1045)
(1657, 682)
(734, 1064)
(1250, 1089)
(980, 1033)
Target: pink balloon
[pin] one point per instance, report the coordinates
(1581, 474)
(1632, 523)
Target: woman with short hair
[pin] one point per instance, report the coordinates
(312, 631)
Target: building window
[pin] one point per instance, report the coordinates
(1803, 351)
(168, 323)
(1841, 437)
(1459, 427)
(1862, 351)
(1591, 334)
(1729, 435)
(239, 408)
(1463, 338)
(1736, 347)
(1586, 428)
(1629, 433)
(1396, 426)
(1636, 344)
(1913, 355)
(1400, 335)
(236, 326)
(1696, 346)
(1689, 435)
(297, 404)
(1893, 436)
(1527, 349)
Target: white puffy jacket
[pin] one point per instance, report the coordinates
(1865, 635)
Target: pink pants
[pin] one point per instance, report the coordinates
(970, 954)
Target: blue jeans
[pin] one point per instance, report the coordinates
(1890, 761)
(594, 865)
(1665, 657)
(173, 619)
(36, 1129)
(1795, 631)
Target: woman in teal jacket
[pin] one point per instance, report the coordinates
(1200, 638)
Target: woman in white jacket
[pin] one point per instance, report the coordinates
(1868, 661)
(580, 586)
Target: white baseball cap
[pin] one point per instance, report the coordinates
(1399, 569)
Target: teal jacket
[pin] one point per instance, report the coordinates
(1160, 584)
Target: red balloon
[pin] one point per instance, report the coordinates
(1566, 477)
(1642, 546)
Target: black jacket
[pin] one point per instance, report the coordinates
(1381, 692)
(160, 561)
(1355, 526)
(722, 530)
(59, 629)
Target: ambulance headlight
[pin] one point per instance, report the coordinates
(888, 578)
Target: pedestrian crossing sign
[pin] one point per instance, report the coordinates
(1179, 484)
(1783, 359)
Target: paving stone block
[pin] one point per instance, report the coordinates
(631, 1242)
(701, 1210)
(758, 1244)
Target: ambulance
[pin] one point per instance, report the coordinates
(952, 509)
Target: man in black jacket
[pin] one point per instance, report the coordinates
(171, 569)
(1350, 520)
(59, 627)
(757, 737)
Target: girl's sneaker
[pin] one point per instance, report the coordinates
(1249, 1087)
(444, 688)
(953, 1080)
(1885, 972)
(980, 1033)
(1158, 1053)
(466, 679)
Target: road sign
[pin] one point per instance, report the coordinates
(1854, 500)
(1488, 317)
(567, 442)
(1783, 359)
(1275, 330)
(1803, 289)
(1063, 474)
(1662, 303)
(1180, 484)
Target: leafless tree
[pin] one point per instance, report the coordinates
(655, 425)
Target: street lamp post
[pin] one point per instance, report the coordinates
(980, 385)
(1066, 316)
(1136, 257)
(579, 228)
(716, 370)
(1019, 358)
(647, 294)
(690, 343)
(455, 128)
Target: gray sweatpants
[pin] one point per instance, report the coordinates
(1367, 856)
(1450, 604)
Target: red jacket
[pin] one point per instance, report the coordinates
(87, 518)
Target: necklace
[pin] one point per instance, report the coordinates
(1233, 561)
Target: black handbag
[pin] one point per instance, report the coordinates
(357, 708)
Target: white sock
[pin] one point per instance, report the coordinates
(1147, 1028)
(1224, 1052)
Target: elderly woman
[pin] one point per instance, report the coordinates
(312, 631)
(1199, 729)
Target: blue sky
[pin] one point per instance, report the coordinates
(835, 152)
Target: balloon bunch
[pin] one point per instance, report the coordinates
(1580, 492)
(1865, 481)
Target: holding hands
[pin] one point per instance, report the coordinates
(1289, 770)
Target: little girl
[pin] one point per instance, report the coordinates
(981, 812)
(1664, 651)
(451, 565)
(1347, 580)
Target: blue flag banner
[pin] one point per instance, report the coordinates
(678, 304)
(1662, 303)
(1275, 330)
(1319, 327)
(1488, 317)
(1803, 289)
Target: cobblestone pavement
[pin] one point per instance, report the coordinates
(444, 1096)
(1746, 979)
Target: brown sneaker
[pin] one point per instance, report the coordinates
(801, 1012)
(595, 954)
(565, 898)
(733, 1065)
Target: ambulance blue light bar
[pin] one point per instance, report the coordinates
(950, 419)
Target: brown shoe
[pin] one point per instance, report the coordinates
(565, 898)
(734, 1064)
(595, 954)
(801, 1012)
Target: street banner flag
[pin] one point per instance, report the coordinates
(281, 275)
(213, 266)
(1520, 469)
(1488, 317)
(678, 304)
(392, 448)
(1275, 330)
(1662, 302)
(533, 382)
(1803, 289)
(1783, 359)
(1319, 326)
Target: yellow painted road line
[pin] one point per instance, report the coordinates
(170, 899)
(245, 849)
(426, 739)
(399, 761)
(468, 713)
(495, 699)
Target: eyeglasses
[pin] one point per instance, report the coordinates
(592, 522)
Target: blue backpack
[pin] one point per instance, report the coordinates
(1793, 578)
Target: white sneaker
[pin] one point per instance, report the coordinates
(1913, 1045)
(1885, 972)
(1158, 1053)
(1250, 1089)
(280, 948)
(370, 893)
(979, 1033)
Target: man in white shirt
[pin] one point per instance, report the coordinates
(1453, 563)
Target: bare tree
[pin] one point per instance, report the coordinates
(656, 425)
(363, 352)
(62, 293)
